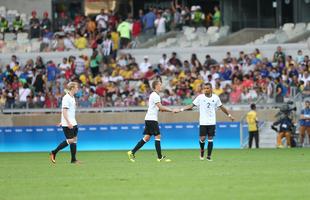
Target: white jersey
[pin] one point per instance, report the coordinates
(152, 111)
(207, 108)
(68, 102)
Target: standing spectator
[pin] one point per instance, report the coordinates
(160, 24)
(39, 83)
(305, 123)
(46, 22)
(198, 17)
(95, 61)
(64, 66)
(279, 90)
(115, 39)
(80, 42)
(24, 92)
(18, 24)
(107, 48)
(102, 21)
(148, 22)
(90, 28)
(124, 29)
(34, 25)
(217, 18)
(79, 65)
(52, 73)
(136, 29)
(252, 120)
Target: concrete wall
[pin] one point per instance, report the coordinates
(27, 6)
(120, 118)
(218, 52)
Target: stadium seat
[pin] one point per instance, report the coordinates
(9, 36)
(300, 27)
(224, 30)
(308, 27)
(35, 45)
(288, 27)
(212, 30)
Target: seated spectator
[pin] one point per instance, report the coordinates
(18, 24)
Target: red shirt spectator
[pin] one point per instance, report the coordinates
(136, 28)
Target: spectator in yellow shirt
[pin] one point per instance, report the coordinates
(251, 119)
(80, 42)
(218, 90)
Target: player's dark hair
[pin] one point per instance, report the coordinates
(253, 106)
(154, 84)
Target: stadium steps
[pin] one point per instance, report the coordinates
(267, 136)
(243, 36)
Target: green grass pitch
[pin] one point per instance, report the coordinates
(234, 174)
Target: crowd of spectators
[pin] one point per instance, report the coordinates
(108, 80)
(90, 31)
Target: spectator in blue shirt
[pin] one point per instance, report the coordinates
(149, 20)
(52, 72)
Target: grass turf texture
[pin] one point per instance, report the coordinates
(234, 174)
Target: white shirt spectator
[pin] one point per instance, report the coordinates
(152, 111)
(68, 44)
(79, 66)
(102, 21)
(106, 47)
(164, 62)
(160, 26)
(68, 102)
(207, 108)
(144, 66)
(23, 93)
(63, 67)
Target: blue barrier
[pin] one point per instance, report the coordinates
(114, 137)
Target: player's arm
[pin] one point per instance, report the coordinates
(227, 113)
(188, 107)
(65, 114)
(163, 108)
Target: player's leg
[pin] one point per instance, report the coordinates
(73, 145)
(160, 157)
(139, 145)
(250, 139)
(302, 131)
(62, 145)
(202, 140)
(211, 134)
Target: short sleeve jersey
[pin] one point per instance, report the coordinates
(207, 108)
(68, 102)
(152, 111)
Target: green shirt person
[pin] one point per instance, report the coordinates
(217, 17)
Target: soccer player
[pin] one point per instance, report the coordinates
(151, 124)
(208, 104)
(68, 123)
